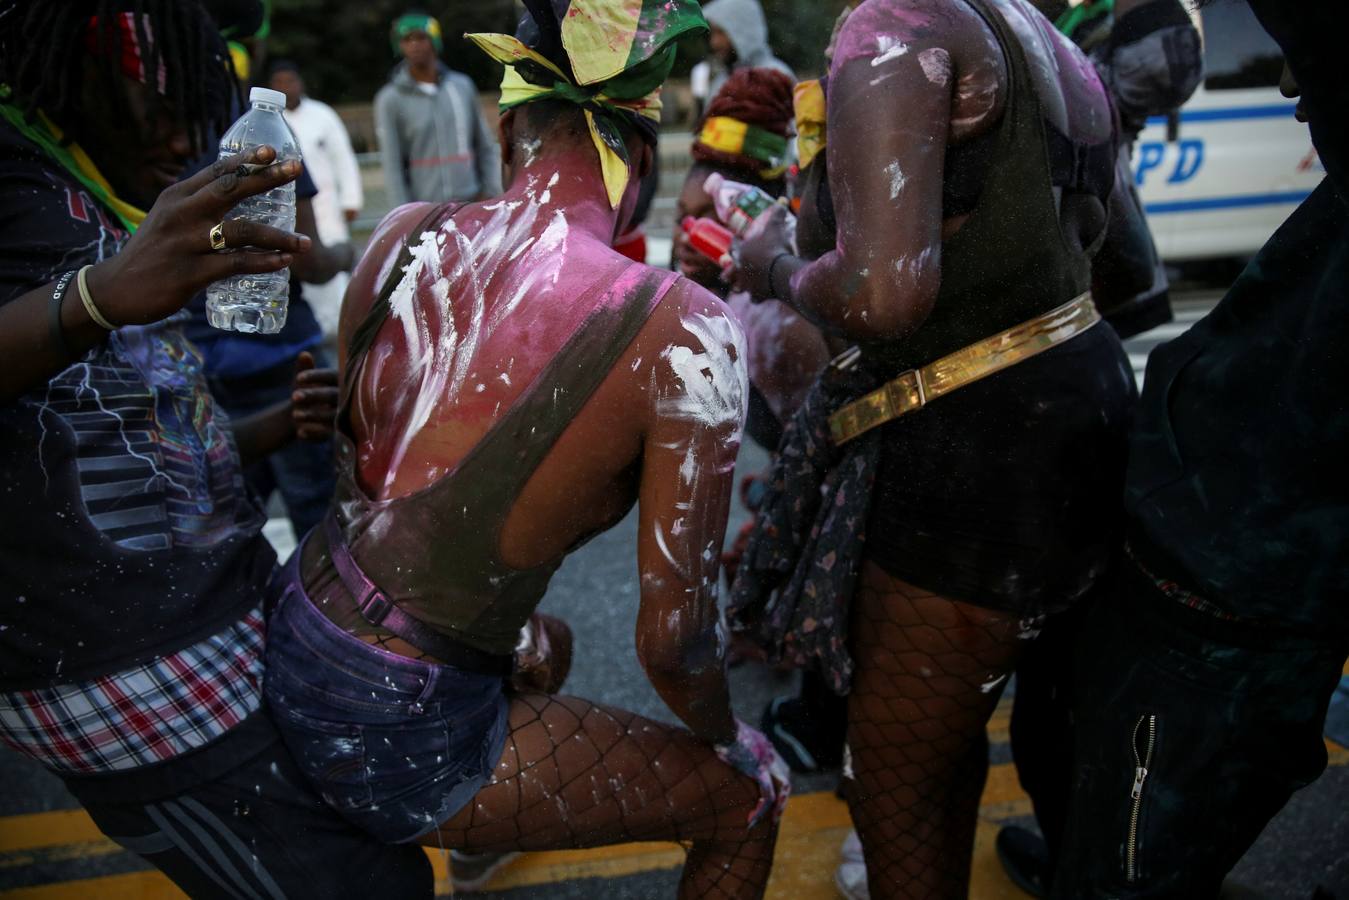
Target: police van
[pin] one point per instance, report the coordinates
(1218, 177)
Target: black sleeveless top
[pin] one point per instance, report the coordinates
(435, 552)
(1010, 261)
(1007, 492)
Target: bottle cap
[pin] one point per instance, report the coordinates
(688, 224)
(713, 183)
(266, 95)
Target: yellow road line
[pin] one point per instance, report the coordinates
(63, 853)
(812, 831)
(49, 829)
(808, 845)
(149, 885)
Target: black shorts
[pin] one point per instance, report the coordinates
(258, 831)
(1008, 493)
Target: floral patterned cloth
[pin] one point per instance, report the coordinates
(792, 592)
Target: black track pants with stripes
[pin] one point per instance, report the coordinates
(261, 833)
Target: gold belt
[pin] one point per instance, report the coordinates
(916, 388)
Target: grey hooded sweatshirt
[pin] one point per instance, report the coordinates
(744, 22)
(435, 146)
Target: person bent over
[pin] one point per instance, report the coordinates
(510, 387)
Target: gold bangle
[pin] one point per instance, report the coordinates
(88, 301)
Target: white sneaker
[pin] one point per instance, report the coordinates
(851, 879)
(471, 871)
(852, 847)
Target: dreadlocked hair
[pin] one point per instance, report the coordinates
(43, 57)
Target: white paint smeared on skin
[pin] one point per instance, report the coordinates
(438, 368)
(897, 179)
(976, 97)
(888, 47)
(547, 194)
(688, 469)
(936, 64)
(912, 268)
(716, 383)
(664, 547)
(416, 334)
(531, 151)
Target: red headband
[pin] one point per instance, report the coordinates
(131, 61)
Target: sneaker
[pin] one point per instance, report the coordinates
(790, 728)
(1025, 859)
(852, 847)
(472, 871)
(851, 880)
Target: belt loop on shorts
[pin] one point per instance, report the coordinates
(418, 706)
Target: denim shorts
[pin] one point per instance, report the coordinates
(395, 745)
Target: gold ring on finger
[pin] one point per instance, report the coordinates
(218, 236)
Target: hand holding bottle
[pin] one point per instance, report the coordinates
(171, 252)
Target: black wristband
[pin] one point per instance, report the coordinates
(772, 267)
(58, 332)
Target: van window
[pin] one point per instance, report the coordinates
(1238, 53)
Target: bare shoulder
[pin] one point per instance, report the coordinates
(686, 304)
(379, 257)
(908, 54)
(882, 30)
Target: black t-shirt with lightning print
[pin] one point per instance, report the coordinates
(125, 529)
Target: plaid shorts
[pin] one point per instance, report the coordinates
(143, 715)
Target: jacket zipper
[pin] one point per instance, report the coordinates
(1142, 760)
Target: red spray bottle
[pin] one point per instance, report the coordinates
(711, 239)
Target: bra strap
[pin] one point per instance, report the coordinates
(379, 610)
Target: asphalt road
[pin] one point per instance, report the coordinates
(596, 592)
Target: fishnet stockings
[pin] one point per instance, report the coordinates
(929, 674)
(577, 774)
(395, 644)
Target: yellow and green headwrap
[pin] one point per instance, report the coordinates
(619, 53)
(726, 134)
(811, 127)
(413, 22)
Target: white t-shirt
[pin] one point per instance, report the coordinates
(328, 157)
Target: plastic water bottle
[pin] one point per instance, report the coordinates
(737, 204)
(257, 303)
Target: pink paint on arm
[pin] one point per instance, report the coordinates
(878, 30)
